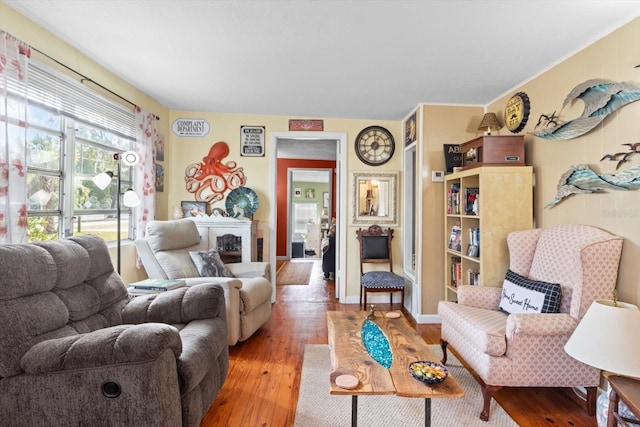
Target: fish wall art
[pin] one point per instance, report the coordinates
(580, 179)
(601, 97)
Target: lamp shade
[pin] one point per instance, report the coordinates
(129, 158)
(607, 338)
(102, 180)
(130, 199)
(489, 121)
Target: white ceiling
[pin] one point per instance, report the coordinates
(359, 59)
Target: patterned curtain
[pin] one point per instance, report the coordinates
(14, 64)
(144, 179)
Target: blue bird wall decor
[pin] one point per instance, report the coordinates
(583, 179)
(601, 97)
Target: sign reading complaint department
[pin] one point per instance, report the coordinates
(190, 127)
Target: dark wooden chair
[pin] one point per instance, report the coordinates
(375, 248)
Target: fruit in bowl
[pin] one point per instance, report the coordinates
(428, 372)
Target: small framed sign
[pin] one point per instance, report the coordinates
(190, 127)
(252, 141)
(305, 124)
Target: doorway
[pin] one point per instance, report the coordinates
(310, 210)
(308, 144)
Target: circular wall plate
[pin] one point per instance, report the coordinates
(241, 202)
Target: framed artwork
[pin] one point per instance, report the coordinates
(310, 193)
(159, 148)
(190, 208)
(159, 178)
(410, 129)
(297, 192)
(325, 199)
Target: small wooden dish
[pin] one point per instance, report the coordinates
(347, 382)
(392, 315)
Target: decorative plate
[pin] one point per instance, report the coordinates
(241, 202)
(428, 372)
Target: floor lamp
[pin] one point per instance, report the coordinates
(129, 199)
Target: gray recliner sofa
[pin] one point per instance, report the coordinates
(76, 350)
(165, 255)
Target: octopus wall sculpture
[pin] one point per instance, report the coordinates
(209, 180)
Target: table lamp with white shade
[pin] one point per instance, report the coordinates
(607, 338)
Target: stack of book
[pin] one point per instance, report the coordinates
(453, 199)
(154, 286)
(456, 272)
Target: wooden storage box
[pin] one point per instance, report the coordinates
(493, 150)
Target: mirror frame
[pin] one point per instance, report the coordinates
(356, 217)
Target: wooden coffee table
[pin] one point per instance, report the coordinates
(350, 357)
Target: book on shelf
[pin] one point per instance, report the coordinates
(453, 199)
(471, 200)
(455, 240)
(473, 277)
(456, 272)
(158, 284)
(473, 250)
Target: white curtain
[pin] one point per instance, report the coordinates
(14, 64)
(144, 179)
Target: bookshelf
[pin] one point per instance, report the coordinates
(481, 206)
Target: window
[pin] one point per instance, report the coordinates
(72, 135)
(303, 214)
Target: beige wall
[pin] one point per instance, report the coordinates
(613, 57)
(181, 152)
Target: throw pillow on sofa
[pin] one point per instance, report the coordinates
(209, 264)
(522, 295)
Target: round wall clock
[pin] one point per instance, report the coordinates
(375, 145)
(516, 113)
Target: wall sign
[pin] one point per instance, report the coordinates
(190, 127)
(306, 124)
(252, 141)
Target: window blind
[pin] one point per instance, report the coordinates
(52, 89)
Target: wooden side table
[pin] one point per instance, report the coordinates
(625, 389)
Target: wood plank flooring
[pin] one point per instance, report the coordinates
(261, 389)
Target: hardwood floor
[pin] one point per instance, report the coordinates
(262, 385)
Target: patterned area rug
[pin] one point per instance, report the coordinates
(316, 407)
(295, 273)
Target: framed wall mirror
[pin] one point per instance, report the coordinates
(375, 198)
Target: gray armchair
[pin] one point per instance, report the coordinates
(76, 350)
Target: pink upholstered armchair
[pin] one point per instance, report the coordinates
(525, 349)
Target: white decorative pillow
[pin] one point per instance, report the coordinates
(522, 295)
(209, 264)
